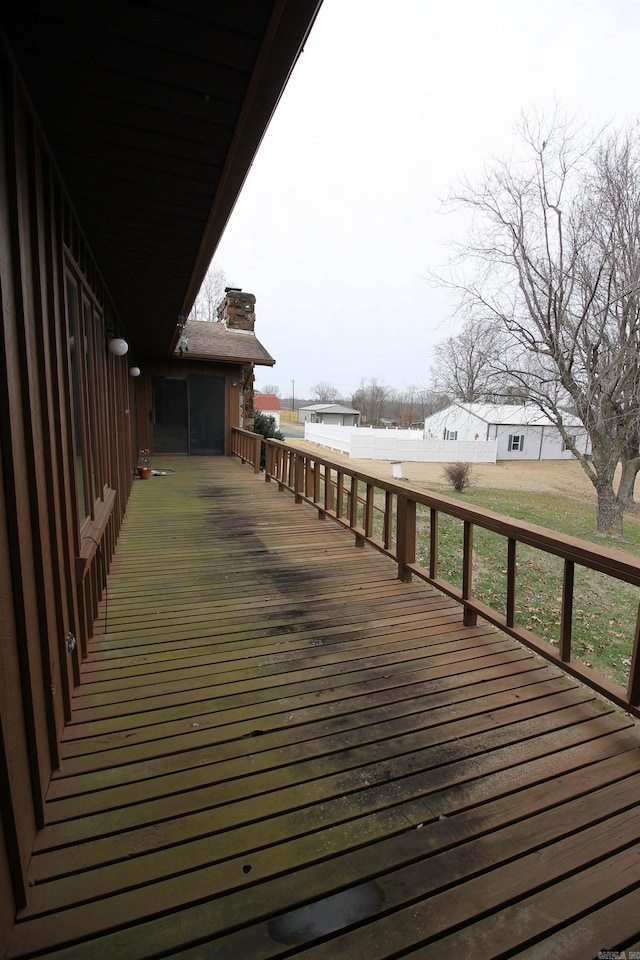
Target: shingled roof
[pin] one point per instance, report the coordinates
(213, 341)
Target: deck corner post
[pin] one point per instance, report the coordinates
(469, 617)
(298, 475)
(405, 536)
(633, 690)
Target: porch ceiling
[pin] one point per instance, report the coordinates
(154, 110)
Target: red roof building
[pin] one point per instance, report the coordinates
(269, 404)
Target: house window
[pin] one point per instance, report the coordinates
(451, 434)
(516, 441)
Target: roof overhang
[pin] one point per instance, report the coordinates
(154, 111)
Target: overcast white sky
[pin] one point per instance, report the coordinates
(341, 219)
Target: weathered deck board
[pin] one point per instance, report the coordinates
(269, 717)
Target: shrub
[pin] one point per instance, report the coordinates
(458, 475)
(266, 426)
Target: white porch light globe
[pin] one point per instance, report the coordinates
(134, 371)
(118, 347)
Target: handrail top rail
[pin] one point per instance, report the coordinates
(601, 558)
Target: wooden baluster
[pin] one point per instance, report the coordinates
(470, 617)
(353, 508)
(340, 495)
(633, 690)
(566, 613)
(387, 532)
(368, 511)
(433, 543)
(299, 461)
(317, 477)
(511, 582)
(328, 488)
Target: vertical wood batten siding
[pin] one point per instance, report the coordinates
(43, 598)
(268, 717)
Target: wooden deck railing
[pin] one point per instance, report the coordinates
(384, 515)
(247, 446)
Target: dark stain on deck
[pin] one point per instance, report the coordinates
(278, 749)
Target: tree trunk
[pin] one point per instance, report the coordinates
(609, 512)
(630, 467)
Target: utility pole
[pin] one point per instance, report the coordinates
(293, 395)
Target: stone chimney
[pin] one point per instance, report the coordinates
(238, 310)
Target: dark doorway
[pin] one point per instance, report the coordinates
(206, 416)
(170, 415)
(189, 415)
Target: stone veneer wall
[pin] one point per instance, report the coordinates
(237, 312)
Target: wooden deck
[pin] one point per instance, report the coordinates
(269, 720)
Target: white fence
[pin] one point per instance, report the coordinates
(365, 443)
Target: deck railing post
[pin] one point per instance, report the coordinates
(316, 479)
(340, 494)
(470, 617)
(328, 488)
(268, 462)
(433, 543)
(298, 476)
(633, 690)
(387, 530)
(405, 537)
(257, 452)
(566, 614)
(510, 612)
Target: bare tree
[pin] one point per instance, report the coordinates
(324, 391)
(210, 295)
(271, 388)
(556, 250)
(370, 399)
(465, 366)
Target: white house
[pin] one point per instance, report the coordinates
(522, 431)
(333, 413)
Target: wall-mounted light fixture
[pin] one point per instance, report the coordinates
(134, 371)
(118, 347)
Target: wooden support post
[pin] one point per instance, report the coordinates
(368, 511)
(298, 476)
(405, 537)
(633, 690)
(433, 543)
(268, 462)
(388, 518)
(566, 614)
(316, 482)
(470, 616)
(353, 504)
(340, 495)
(511, 582)
(257, 453)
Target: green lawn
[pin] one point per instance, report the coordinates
(604, 610)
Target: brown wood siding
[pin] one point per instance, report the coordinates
(52, 568)
(20, 455)
(16, 808)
